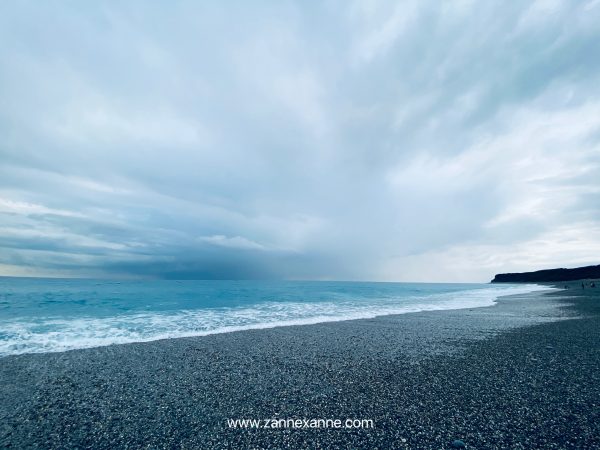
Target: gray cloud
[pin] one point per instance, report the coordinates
(367, 140)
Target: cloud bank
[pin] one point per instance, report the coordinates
(412, 141)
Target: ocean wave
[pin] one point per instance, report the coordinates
(52, 334)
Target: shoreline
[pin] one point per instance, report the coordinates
(483, 375)
(289, 323)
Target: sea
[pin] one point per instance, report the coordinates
(52, 315)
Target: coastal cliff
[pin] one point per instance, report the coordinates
(550, 275)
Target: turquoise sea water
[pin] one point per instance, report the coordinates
(47, 315)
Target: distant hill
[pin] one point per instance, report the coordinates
(580, 273)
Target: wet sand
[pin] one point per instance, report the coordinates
(522, 374)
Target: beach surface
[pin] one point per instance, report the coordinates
(524, 373)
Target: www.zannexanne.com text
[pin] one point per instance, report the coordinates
(300, 423)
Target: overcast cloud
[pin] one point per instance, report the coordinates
(411, 141)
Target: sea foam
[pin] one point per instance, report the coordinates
(47, 332)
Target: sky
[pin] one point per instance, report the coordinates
(386, 141)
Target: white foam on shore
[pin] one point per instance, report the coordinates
(55, 335)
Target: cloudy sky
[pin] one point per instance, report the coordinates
(411, 141)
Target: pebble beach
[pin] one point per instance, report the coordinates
(524, 373)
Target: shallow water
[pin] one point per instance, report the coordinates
(47, 315)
